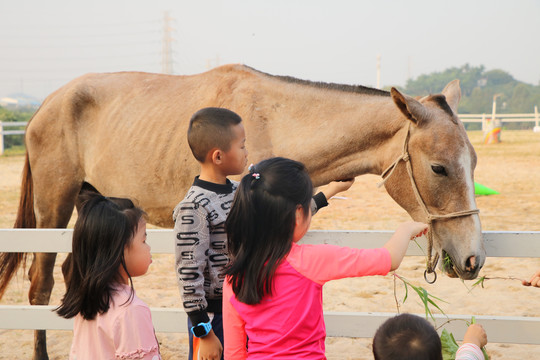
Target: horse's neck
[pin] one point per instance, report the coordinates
(339, 138)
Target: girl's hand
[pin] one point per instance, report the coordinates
(476, 334)
(420, 227)
(413, 229)
(535, 280)
(398, 243)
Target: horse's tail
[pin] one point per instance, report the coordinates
(26, 218)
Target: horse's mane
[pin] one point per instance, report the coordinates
(440, 100)
(359, 89)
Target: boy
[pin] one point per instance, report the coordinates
(408, 337)
(217, 140)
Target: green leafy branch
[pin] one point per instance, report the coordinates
(450, 346)
(480, 281)
(426, 298)
(448, 342)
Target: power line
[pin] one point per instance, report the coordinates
(78, 44)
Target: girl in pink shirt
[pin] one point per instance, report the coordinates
(272, 295)
(109, 248)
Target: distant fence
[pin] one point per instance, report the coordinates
(501, 329)
(10, 132)
(503, 118)
(466, 118)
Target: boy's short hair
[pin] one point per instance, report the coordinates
(407, 337)
(211, 128)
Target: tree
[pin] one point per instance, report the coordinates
(433, 83)
(498, 77)
(478, 87)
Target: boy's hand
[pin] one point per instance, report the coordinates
(535, 280)
(211, 348)
(476, 334)
(335, 187)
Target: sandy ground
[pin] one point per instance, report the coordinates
(512, 168)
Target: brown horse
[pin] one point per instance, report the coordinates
(125, 134)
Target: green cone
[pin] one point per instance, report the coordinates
(480, 189)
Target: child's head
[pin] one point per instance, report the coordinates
(271, 209)
(217, 134)
(109, 247)
(407, 337)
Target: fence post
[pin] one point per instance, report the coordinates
(1, 139)
(536, 127)
(492, 135)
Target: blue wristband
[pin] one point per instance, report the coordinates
(201, 329)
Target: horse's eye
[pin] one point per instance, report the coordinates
(438, 169)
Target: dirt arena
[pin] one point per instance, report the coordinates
(511, 167)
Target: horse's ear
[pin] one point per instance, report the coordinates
(411, 108)
(452, 92)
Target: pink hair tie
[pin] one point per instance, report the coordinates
(257, 176)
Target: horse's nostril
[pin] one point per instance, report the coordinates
(470, 264)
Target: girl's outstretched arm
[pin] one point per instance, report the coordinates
(398, 243)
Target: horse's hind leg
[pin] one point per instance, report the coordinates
(41, 284)
(54, 199)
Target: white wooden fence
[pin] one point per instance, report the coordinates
(9, 132)
(503, 118)
(501, 329)
(476, 118)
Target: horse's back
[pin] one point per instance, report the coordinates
(124, 133)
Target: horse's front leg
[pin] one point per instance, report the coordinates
(41, 284)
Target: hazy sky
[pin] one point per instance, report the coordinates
(46, 43)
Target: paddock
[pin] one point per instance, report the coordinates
(511, 167)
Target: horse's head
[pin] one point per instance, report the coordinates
(442, 161)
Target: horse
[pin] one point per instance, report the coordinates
(124, 134)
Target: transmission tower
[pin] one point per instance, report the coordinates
(378, 71)
(166, 51)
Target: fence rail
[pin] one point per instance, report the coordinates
(502, 329)
(477, 118)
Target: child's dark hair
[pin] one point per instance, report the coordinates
(211, 128)
(261, 224)
(104, 227)
(407, 337)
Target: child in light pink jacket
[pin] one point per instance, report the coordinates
(109, 248)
